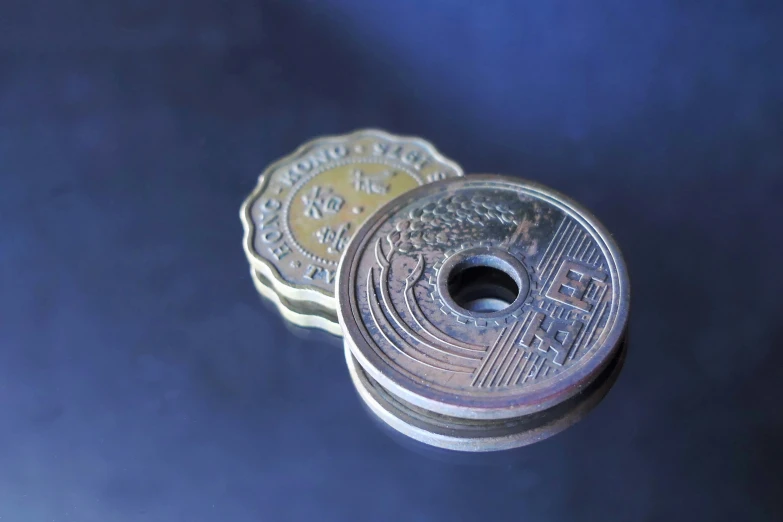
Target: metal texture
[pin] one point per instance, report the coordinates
(453, 433)
(304, 315)
(485, 297)
(306, 206)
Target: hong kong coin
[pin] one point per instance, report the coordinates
(306, 206)
(305, 315)
(484, 297)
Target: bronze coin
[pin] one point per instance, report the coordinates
(473, 435)
(484, 297)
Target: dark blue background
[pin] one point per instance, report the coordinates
(142, 379)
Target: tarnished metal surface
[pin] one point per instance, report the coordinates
(306, 206)
(484, 298)
(301, 314)
(474, 435)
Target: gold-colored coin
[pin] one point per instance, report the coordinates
(305, 315)
(306, 206)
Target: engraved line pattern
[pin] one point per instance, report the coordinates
(499, 359)
(427, 327)
(543, 363)
(496, 354)
(486, 359)
(574, 248)
(580, 338)
(552, 242)
(510, 348)
(494, 359)
(586, 242)
(559, 255)
(569, 241)
(502, 365)
(513, 346)
(512, 362)
(532, 368)
(530, 357)
(371, 287)
(557, 250)
(521, 354)
(389, 310)
(505, 375)
(579, 246)
(517, 373)
(596, 320)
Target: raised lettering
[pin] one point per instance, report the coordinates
(338, 151)
(280, 251)
(415, 159)
(315, 272)
(335, 238)
(554, 341)
(380, 148)
(268, 222)
(302, 167)
(435, 176)
(271, 205)
(572, 282)
(289, 177)
(272, 235)
(320, 157)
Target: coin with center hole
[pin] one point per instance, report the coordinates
(307, 206)
(483, 298)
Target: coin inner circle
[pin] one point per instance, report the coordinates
(483, 282)
(482, 288)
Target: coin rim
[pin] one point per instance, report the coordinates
(393, 414)
(287, 310)
(301, 292)
(535, 398)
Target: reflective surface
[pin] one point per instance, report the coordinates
(300, 314)
(141, 378)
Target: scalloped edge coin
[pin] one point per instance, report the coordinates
(403, 146)
(313, 316)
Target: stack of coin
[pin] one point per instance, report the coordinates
(308, 205)
(478, 313)
(482, 313)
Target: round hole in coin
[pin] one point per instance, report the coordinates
(482, 284)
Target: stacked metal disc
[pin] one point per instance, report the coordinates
(307, 206)
(478, 313)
